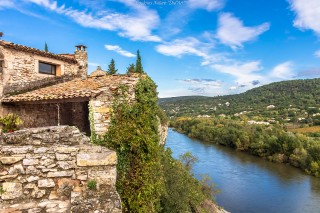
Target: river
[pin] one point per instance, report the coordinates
(249, 184)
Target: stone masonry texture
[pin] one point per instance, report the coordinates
(48, 169)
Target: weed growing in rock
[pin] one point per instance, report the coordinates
(92, 184)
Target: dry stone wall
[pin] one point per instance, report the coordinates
(48, 170)
(101, 106)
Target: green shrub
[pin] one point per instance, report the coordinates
(92, 184)
(10, 122)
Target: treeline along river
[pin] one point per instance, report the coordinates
(248, 183)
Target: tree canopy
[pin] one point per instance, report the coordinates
(139, 68)
(131, 68)
(112, 68)
(46, 47)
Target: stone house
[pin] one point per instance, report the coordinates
(47, 89)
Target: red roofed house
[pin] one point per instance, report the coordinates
(47, 89)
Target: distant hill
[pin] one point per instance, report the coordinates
(292, 100)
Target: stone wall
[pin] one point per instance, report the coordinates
(20, 68)
(101, 106)
(41, 115)
(48, 170)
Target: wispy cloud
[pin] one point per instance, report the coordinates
(307, 14)
(119, 50)
(282, 71)
(208, 5)
(255, 82)
(137, 24)
(203, 82)
(244, 72)
(93, 64)
(314, 72)
(203, 86)
(6, 4)
(317, 54)
(180, 47)
(191, 46)
(233, 33)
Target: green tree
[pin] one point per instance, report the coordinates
(139, 68)
(188, 160)
(46, 47)
(149, 179)
(1, 34)
(112, 68)
(131, 68)
(134, 135)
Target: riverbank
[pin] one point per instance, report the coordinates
(268, 142)
(246, 182)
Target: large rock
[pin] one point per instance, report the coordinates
(61, 174)
(11, 159)
(97, 159)
(11, 190)
(46, 183)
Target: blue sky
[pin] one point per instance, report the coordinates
(190, 47)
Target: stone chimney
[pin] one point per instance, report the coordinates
(81, 56)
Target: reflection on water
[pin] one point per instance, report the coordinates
(248, 183)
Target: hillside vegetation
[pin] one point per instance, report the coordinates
(149, 179)
(279, 121)
(295, 102)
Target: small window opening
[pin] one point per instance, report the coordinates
(46, 68)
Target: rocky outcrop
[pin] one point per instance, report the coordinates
(55, 169)
(162, 131)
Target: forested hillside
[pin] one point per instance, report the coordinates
(295, 101)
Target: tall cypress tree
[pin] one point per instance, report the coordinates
(112, 68)
(1, 34)
(139, 68)
(46, 47)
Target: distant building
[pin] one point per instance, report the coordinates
(258, 122)
(271, 107)
(203, 116)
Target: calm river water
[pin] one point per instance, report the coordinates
(248, 183)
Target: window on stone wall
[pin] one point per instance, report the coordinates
(46, 68)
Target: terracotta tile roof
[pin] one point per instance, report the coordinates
(77, 88)
(19, 47)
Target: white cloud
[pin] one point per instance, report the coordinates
(136, 25)
(208, 5)
(52, 5)
(245, 73)
(203, 82)
(233, 88)
(6, 4)
(119, 50)
(93, 64)
(307, 14)
(317, 54)
(180, 47)
(190, 46)
(233, 33)
(282, 71)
